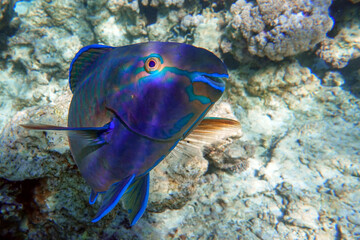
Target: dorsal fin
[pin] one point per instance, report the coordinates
(83, 60)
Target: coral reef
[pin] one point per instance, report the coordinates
(278, 29)
(34, 154)
(308, 135)
(230, 156)
(345, 46)
(293, 170)
(5, 12)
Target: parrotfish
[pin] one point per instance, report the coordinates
(131, 107)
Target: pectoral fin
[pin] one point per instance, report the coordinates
(89, 132)
(212, 128)
(208, 131)
(93, 135)
(112, 197)
(136, 198)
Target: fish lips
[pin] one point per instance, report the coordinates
(213, 79)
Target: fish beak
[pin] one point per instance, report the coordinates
(195, 60)
(217, 80)
(214, 80)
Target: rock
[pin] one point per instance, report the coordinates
(35, 154)
(6, 12)
(174, 182)
(231, 155)
(111, 33)
(191, 21)
(278, 29)
(207, 33)
(283, 78)
(333, 79)
(293, 173)
(345, 46)
(304, 216)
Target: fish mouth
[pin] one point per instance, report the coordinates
(214, 80)
(217, 80)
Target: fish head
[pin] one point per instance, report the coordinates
(184, 64)
(163, 89)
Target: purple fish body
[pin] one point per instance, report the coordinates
(131, 107)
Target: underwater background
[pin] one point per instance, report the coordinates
(292, 172)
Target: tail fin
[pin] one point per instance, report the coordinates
(112, 197)
(136, 198)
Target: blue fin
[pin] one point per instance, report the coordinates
(136, 198)
(93, 135)
(83, 61)
(45, 127)
(93, 197)
(112, 197)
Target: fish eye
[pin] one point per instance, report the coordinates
(152, 64)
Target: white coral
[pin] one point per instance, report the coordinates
(278, 29)
(191, 21)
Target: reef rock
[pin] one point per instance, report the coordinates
(5, 12)
(306, 132)
(35, 154)
(230, 156)
(345, 46)
(278, 29)
(294, 173)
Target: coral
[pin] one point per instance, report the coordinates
(111, 33)
(191, 21)
(294, 173)
(332, 79)
(306, 146)
(207, 33)
(5, 12)
(286, 78)
(230, 156)
(278, 29)
(166, 3)
(345, 46)
(120, 5)
(174, 182)
(11, 210)
(325, 158)
(8, 24)
(29, 155)
(160, 30)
